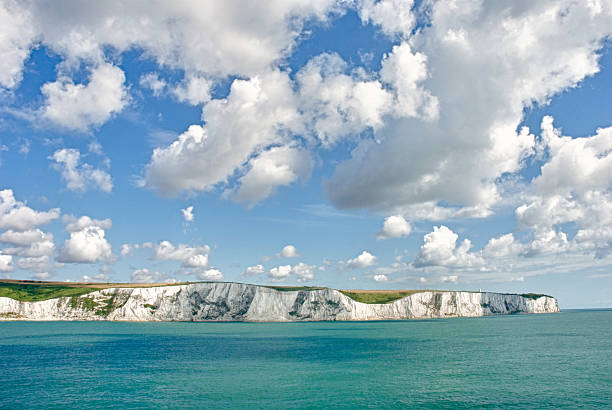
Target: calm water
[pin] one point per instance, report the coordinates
(556, 360)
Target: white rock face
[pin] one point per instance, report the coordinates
(242, 302)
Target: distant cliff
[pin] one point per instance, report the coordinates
(242, 302)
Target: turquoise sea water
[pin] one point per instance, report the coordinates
(535, 361)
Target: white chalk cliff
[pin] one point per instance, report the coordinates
(242, 302)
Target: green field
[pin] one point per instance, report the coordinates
(294, 288)
(35, 293)
(378, 297)
(534, 295)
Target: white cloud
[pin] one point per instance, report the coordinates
(17, 216)
(573, 187)
(503, 246)
(303, 272)
(547, 242)
(188, 214)
(449, 278)
(483, 63)
(40, 264)
(74, 224)
(405, 71)
(234, 37)
(395, 226)
(254, 270)
(33, 243)
(100, 277)
(17, 34)
(278, 166)
(210, 274)
(280, 272)
(196, 261)
(152, 82)
(363, 260)
(257, 113)
(23, 238)
(380, 278)
(289, 251)
(146, 276)
(6, 263)
(190, 256)
(87, 242)
(25, 147)
(440, 249)
(335, 104)
(80, 176)
(195, 90)
(394, 17)
(126, 248)
(576, 165)
(82, 106)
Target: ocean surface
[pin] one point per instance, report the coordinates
(537, 361)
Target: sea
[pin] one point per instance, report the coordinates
(561, 360)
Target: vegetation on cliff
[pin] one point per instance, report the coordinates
(36, 292)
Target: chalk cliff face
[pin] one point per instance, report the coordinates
(242, 302)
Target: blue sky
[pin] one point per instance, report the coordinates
(360, 144)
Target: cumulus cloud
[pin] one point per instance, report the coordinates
(449, 278)
(33, 243)
(440, 249)
(152, 82)
(188, 214)
(405, 71)
(82, 106)
(257, 113)
(573, 188)
(17, 33)
(335, 104)
(6, 263)
(40, 264)
(190, 256)
(394, 17)
(380, 278)
(147, 276)
(480, 65)
(18, 216)
(126, 248)
(210, 274)
(363, 260)
(194, 90)
(33, 246)
(87, 242)
(80, 176)
(100, 277)
(279, 166)
(303, 272)
(74, 224)
(289, 251)
(254, 270)
(240, 39)
(503, 246)
(280, 272)
(395, 226)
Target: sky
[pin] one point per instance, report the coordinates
(357, 144)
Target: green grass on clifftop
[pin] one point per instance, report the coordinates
(534, 295)
(378, 297)
(36, 293)
(294, 288)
